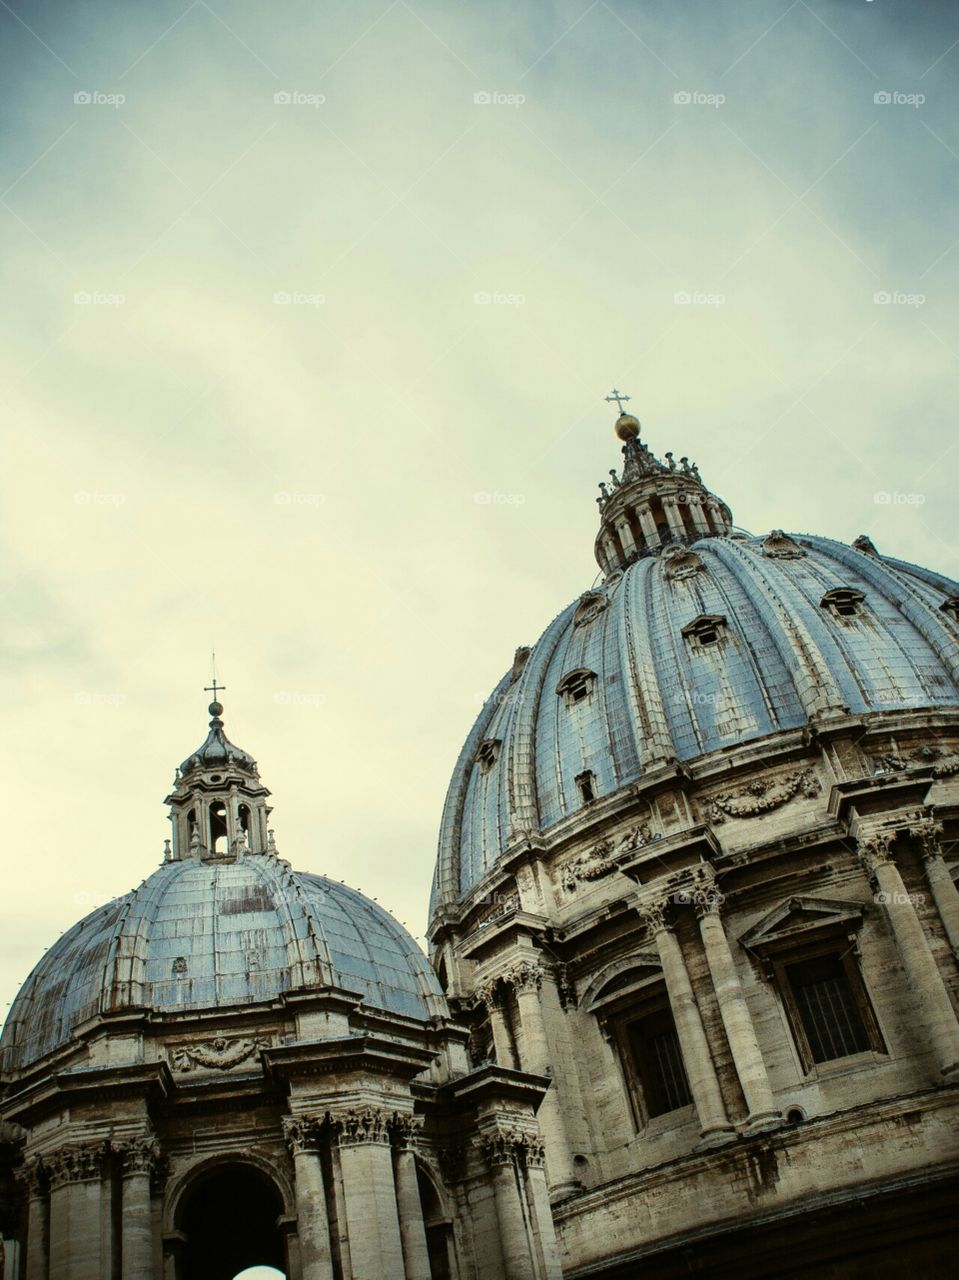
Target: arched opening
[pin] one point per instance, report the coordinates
(439, 1229)
(229, 1222)
(218, 829)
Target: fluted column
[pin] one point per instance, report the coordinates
(38, 1221)
(302, 1134)
(928, 832)
(416, 1256)
(697, 1058)
(527, 978)
(699, 515)
(500, 1148)
(136, 1250)
(925, 981)
(737, 1020)
(376, 1247)
(75, 1209)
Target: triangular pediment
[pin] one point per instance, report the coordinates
(800, 915)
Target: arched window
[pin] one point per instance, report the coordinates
(218, 827)
(843, 602)
(439, 1229)
(577, 686)
(634, 1013)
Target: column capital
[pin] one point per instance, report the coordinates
(928, 831)
(506, 1144)
(405, 1130)
(139, 1155)
(33, 1175)
(78, 1162)
(875, 850)
(653, 909)
(301, 1133)
(353, 1126)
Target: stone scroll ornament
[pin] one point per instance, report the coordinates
(220, 1054)
(597, 862)
(763, 795)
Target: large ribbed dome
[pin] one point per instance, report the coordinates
(203, 935)
(684, 650)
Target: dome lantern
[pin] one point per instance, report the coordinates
(652, 504)
(218, 804)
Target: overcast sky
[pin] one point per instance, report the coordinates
(287, 286)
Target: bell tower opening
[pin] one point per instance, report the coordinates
(218, 827)
(229, 1221)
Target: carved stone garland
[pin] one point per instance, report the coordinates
(596, 863)
(763, 795)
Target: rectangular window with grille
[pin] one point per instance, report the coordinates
(658, 1061)
(831, 1007)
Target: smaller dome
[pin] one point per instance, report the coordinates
(201, 935)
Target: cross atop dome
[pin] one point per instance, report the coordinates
(652, 503)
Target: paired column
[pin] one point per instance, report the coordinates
(697, 1059)
(312, 1222)
(527, 1241)
(928, 832)
(527, 978)
(139, 1166)
(925, 980)
(674, 519)
(376, 1247)
(648, 526)
(737, 1020)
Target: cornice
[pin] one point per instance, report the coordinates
(347, 1053)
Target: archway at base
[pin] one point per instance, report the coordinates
(229, 1220)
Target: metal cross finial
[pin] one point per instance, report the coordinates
(619, 397)
(214, 688)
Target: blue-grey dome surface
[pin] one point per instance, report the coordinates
(783, 655)
(201, 935)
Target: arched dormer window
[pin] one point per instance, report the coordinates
(705, 631)
(577, 686)
(586, 785)
(843, 602)
(488, 754)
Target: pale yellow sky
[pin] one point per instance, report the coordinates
(330, 271)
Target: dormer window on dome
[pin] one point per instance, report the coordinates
(586, 785)
(576, 686)
(951, 606)
(843, 602)
(488, 754)
(704, 631)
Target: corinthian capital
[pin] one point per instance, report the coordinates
(76, 1163)
(928, 832)
(33, 1176)
(874, 851)
(139, 1155)
(653, 911)
(356, 1125)
(505, 1144)
(405, 1130)
(300, 1132)
(527, 975)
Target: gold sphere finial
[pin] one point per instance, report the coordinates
(627, 427)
